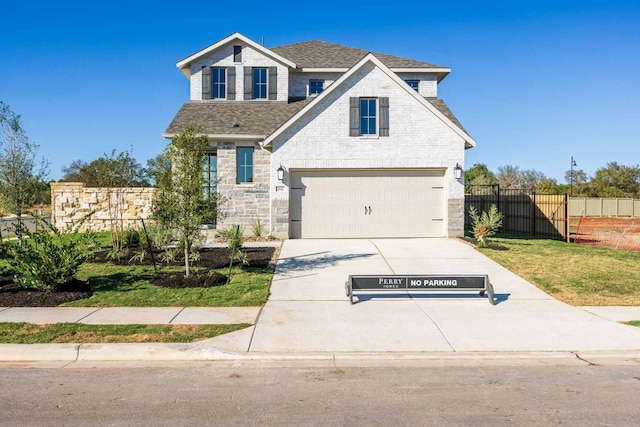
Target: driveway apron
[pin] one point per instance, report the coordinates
(308, 310)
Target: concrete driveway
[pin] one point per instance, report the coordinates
(308, 311)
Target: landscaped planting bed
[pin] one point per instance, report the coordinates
(130, 282)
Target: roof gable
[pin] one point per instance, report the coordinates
(185, 64)
(371, 58)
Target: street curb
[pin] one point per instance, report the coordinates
(173, 352)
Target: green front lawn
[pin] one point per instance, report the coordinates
(575, 274)
(78, 333)
(128, 286)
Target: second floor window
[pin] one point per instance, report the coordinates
(244, 163)
(368, 114)
(316, 87)
(414, 84)
(260, 83)
(219, 83)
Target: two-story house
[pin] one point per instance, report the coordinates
(321, 140)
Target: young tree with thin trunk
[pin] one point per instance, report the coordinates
(179, 205)
(21, 173)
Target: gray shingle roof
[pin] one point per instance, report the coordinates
(235, 118)
(444, 109)
(319, 54)
(252, 118)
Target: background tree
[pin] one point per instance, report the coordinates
(179, 206)
(549, 186)
(479, 174)
(159, 169)
(110, 170)
(580, 186)
(513, 177)
(21, 172)
(616, 180)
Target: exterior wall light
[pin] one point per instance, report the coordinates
(280, 173)
(458, 171)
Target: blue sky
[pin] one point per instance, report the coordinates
(534, 83)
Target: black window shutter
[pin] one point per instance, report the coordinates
(206, 83)
(273, 83)
(384, 116)
(248, 83)
(231, 83)
(354, 116)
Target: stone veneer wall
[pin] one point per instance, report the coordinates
(71, 201)
(456, 217)
(243, 203)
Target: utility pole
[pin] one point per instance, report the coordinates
(573, 163)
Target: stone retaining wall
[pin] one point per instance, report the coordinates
(71, 201)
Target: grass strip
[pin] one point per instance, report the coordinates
(575, 274)
(633, 323)
(129, 286)
(79, 333)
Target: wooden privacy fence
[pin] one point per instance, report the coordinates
(525, 212)
(606, 206)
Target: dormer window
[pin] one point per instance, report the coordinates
(414, 84)
(316, 87)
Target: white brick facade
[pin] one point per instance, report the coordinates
(299, 82)
(223, 57)
(420, 136)
(417, 139)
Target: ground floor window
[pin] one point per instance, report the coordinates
(210, 175)
(244, 163)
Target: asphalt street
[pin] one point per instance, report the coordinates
(210, 394)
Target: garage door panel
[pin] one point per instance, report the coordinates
(367, 203)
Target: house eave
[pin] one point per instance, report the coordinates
(469, 142)
(223, 137)
(184, 65)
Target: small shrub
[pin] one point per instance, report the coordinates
(168, 256)
(47, 259)
(485, 225)
(115, 254)
(235, 241)
(257, 228)
(138, 255)
(131, 237)
(160, 236)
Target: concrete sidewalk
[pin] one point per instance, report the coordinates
(131, 315)
(308, 317)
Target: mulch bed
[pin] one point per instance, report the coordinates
(13, 295)
(209, 258)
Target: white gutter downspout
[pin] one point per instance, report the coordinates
(270, 187)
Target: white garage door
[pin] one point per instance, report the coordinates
(367, 203)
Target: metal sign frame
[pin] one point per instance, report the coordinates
(420, 283)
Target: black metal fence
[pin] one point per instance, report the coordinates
(525, 211)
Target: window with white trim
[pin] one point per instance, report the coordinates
(260, 83)
(244, 163)
(368, 116)
(414, 84)
(316, 87)
(218, 83)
